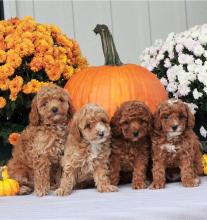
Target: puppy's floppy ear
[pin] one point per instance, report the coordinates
(150, 122)
(71, 109)
(34, 117)
(115, 123)
(157, 120)
(74, 129)
(190, 119)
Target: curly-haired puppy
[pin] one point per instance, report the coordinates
(87, 151)
(174, 144)
(131, 126)
(41, 145)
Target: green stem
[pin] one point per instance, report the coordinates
(110, 53)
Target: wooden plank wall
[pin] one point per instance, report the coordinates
(134, 24)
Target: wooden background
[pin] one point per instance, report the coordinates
(134, 24)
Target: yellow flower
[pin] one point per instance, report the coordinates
(48, 60)
(53, 29)
(68, 72)
(12, 40)
(64, 41)
(13, 96)
(6, 70)
(2, 27)
(13, 58)
(42, 46)
(36, 64)
(33, 86)
(42, 28)
(25, 48)
(4, 84)
(15, 85)
(2, 102)
(2, 56)
(54, 70)
(27, 24)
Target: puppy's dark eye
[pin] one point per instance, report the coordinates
(61, 100)
(125, 125)
(165, 117)
(44, 104)
(181, 117)
(88, 126)
(104, 121)
(142, 121)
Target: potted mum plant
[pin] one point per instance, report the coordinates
(180, 62)
(31, 55)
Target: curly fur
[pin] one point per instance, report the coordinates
(131, 126)
(175, 145)
(36, 156)
(87, 151)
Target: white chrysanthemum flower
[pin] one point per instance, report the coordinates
(172, 87)
(193, 107)
(202, 77)
(203, 132)
(195, 34)
(183, 90)
(167, 63)
(203, 39)
(185, 58)
(198, 50)
(205, 89)
(172, 74)
(164, 81)
(179, 48)
(198, 62)
(190, 44)
(197, 94)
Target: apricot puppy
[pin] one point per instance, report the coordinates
(87, 151)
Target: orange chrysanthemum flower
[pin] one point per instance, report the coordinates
(13, 58)
(4, 84)
(2, 102)
(37, 64)
(13, 138)
(15, 85)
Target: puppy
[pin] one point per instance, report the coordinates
(36, 156)
(87, 151)
(131, 126)
(175, 145)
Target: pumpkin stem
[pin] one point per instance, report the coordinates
(109, 48)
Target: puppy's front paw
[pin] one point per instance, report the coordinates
(139, 185)
(107, 188)
(41, 192)
(25, 190)
(157, 185)
(62, 192)
(191, 183)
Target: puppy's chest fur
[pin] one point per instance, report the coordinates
(92, 154)
(50, 140)
(90, 158)
(128, 152)
(173, 150)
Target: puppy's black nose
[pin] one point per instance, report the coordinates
(101, 133)
(136, 133)
(54, 109)
(174, 127)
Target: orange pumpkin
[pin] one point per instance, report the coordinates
(112, 84)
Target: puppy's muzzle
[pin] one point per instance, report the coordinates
(100, 133)
(54, 109)
(174, 127)
(135, 133)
